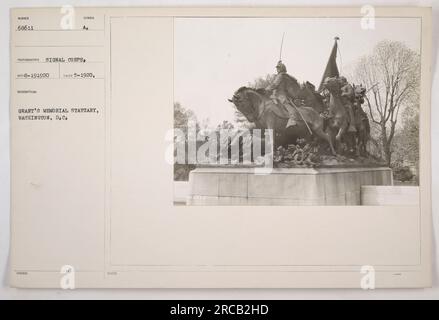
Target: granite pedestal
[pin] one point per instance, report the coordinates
(283, 186)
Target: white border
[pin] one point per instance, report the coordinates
(6, 292)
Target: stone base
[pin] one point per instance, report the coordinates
(283, 186)
(390, 195)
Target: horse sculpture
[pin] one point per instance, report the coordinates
(338, 121)
(259, 108)
(361, 122)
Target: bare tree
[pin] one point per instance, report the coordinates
(391, 74)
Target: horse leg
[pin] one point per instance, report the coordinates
(330, 133)
(325, 136)
(352, 142)
(358, 146)
(278, 138)
(359, 141)
(363, 142)
(341, 132)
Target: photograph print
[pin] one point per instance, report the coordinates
(296, 111)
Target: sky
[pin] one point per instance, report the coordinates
(213, 57)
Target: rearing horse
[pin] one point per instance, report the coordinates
(339, 120)
(266, 114)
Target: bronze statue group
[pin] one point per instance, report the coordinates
(298, 112)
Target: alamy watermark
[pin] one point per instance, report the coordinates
(221, 147)
(367, 281)
(67, 280)
(67, 21)
(368, 19)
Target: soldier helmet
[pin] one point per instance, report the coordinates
(281, 67)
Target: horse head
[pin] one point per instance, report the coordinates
(247, 102)
(293, 86)
(359, 90)
(332, 84)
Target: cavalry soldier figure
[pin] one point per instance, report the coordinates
(278, 86)
(348, 99)
(280, 94)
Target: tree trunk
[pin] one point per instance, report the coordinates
(387, 154)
